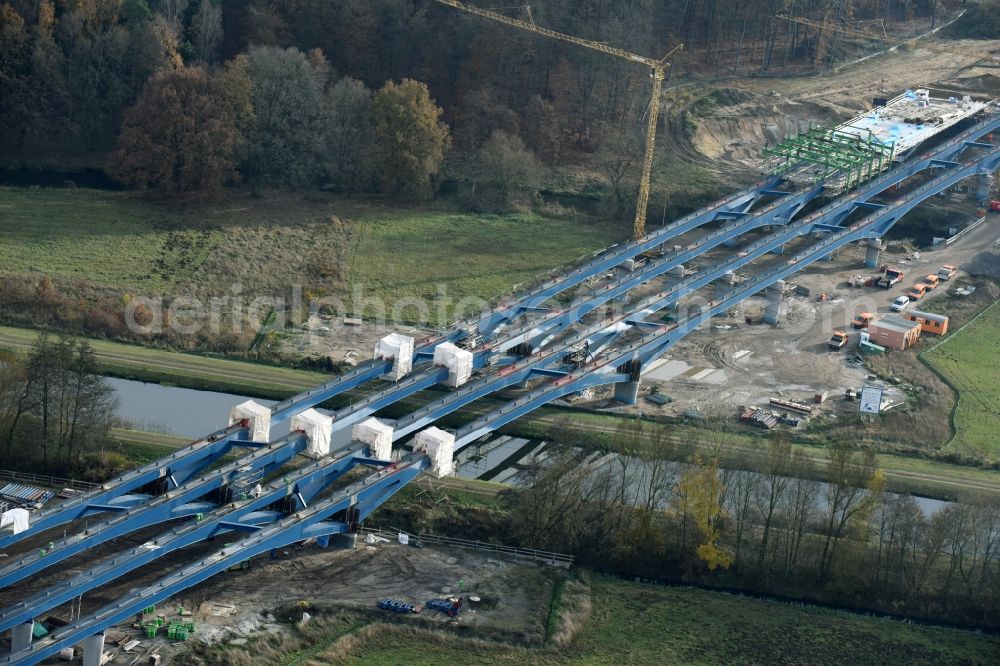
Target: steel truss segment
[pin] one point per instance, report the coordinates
(877, 222)
(309, 482)
(370, 404)
(874, 225)
(291, 529)
(201, 454)
(173, 504)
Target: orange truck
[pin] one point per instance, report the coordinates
(862, 320)
(838, 340)
(947, 272)
(917, 291)
(931, 281)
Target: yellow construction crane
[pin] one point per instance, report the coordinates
(657, 68)
(862, 34)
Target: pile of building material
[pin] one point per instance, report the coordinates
(439, 447)
(19, 494)
(258, 419)
(319, 430)
(377, 435)
(759, 418)
(458, 361)
(399, 348)
(791, 404)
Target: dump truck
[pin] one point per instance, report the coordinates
(838, 340)
(891, 277)
(862, 320)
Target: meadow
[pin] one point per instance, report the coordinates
(970, 361)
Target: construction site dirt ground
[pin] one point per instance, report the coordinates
(238, 606)
(734, 364)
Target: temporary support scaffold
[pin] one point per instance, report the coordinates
(854, 157)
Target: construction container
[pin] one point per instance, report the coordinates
(929, 322)
(894, 332)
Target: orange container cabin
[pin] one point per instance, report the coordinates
(929, 322)
(894, 332)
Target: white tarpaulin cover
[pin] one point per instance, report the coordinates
(400, 348)
(318, 428)
(457, 360)
(439, 447)
(377, 435)
(16, 519)
(259, 417)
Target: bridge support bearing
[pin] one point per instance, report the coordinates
(983, 188)
(873, 252)
(348, 541)
(775, 302)
(93, 650)
(20, 635)
(627, 392)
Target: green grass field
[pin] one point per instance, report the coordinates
(109, 239)
(468, 256)
(970, 361)
(188, 370)
(124, 242)
(641, 624)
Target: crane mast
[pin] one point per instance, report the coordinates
(658, 70)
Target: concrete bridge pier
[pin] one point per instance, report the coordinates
(873, 252)
(627, 392)
(20, 635)
(775, 302)
(93, 649)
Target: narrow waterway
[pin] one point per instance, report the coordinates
(173, 410)
(192, 413)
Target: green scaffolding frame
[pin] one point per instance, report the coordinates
(857, 157)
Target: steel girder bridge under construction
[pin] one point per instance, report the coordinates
(770, 230)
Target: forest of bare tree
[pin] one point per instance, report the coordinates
(290, 89)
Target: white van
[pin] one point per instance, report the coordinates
(900, 303)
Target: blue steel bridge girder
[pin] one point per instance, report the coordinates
(739, 201)
(874, 225)
(365, 495)
(173, 504)
(246, 515)
(779, 213)
(518, 408)
(181, 465)
(73, 509)
(867, 232)
(361, 409)
(507, 377)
